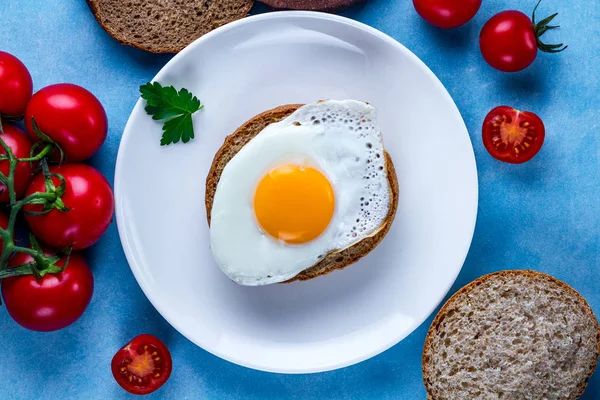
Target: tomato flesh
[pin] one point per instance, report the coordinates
(143, 365)
(513, 136)
(507, 41)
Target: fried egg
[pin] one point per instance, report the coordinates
(311, 184)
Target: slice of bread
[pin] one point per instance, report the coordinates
(512, 335)
(312, 5)
(165, 26)
(331, 262)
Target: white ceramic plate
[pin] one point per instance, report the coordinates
(251, 66)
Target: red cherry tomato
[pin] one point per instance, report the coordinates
(20, 145)
(508, 42)
(89, 198)
(16, 85)
(447, 13)
(513, 136)
(142, 365)
(52, 302)
(71, 116)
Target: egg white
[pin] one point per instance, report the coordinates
(339, 138)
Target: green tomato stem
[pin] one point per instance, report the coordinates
(45, 151)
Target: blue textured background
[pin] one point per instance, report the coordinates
(543, 215)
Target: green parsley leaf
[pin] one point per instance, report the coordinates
(166, 103)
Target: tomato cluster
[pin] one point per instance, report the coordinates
(509, 42)
(71, 207)
(72, 203)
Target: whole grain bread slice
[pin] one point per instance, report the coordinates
(234, 142)
(512, 335)
(165, 26)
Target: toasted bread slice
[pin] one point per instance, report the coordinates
(331, 262)
(312, 5)
(164, 26)
(512, 335)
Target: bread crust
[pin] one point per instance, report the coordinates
(172, 48)
(433, 329)
(333, 261)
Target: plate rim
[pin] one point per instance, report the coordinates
(128, 250)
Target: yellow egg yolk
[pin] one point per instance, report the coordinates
(294, 203)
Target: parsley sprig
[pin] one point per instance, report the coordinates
(175, 107)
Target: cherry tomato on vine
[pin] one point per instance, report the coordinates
(513, 136)
(71, 116)
(16, 86)
(52, 302)
(20, 144)
(447, 14)
(509, 41)
(142, 365)
(88, 196)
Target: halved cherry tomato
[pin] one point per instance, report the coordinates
(20, 144)
(16, 85)
(142, 365)
(513, 136)
(52, 302)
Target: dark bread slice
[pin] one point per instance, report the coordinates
(312, 5)
(165, 26)
(512, 335)
(234, 142)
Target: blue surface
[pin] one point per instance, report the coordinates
(543, 215)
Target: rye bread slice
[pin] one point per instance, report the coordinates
(512, 335)
(165, 26)
(234, 142)
(312, 5)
